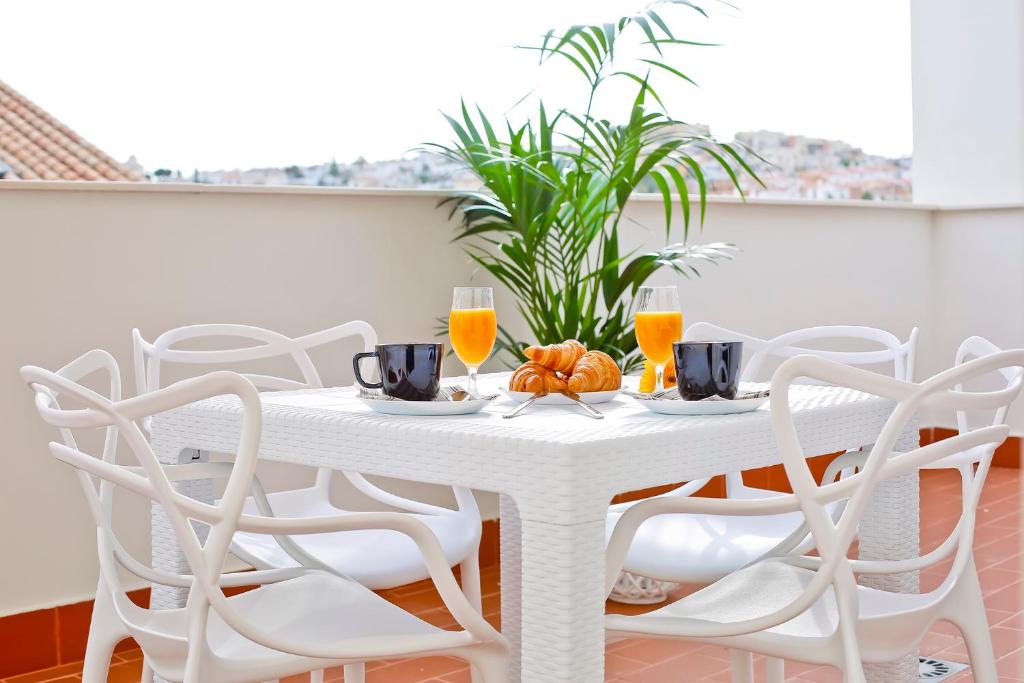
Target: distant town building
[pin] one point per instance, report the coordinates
(794, 166)
(36, 146)
(815, 168)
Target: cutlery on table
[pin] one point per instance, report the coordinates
(591, 410)
(522, 406)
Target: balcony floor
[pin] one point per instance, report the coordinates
(997, 553)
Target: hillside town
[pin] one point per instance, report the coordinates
(795, 166)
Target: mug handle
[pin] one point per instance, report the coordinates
(355, 369)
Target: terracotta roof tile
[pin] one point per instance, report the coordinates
(37, 146)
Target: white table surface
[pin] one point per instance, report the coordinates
(557, 470)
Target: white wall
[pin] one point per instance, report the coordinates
(82, 266)
(968, 78)
(977, 284)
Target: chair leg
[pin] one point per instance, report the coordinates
(742, 665)
(489, 664)
(774, 670)
(973, 624)
(469, 570)
(147, 673)
(105, 632)
(355, 673)
(97, 657)
(316, 676)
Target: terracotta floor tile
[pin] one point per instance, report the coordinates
(128, 655)
(46, 675)
(460, 676)
(823, 674)
(129, 672)
(1015, 621)
(616, 666)
(29, 642)
(651, 651)
(1010, 598)
(1011, 666)
(682, 668)
(415, 670)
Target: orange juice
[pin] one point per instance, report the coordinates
(472, 331)
(656, 331)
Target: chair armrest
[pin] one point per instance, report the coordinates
(187, 391)
(631, 520)
(687, 489)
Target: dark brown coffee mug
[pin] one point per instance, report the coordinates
(707, 368)
(411, 372)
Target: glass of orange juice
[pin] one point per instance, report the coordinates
(658, 324)
(473, 327)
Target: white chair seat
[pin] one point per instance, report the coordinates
(765, 587)
(376, 558)
(317, 610)
(314, 609)
(689, 548)
(747, 594)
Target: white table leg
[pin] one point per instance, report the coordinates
(890, 530)
(511, 581)
(556, 618)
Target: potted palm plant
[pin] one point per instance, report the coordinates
(546, 222)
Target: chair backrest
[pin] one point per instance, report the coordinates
(834, 536)
(150, 356)
(120, 421)
(258, 344)
(763, 355)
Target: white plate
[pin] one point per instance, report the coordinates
(388, 407)
(561, 400)
(677, 407)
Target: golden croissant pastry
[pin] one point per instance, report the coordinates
(647, 380)
(535, 378)
(595, 371)
(558, 357)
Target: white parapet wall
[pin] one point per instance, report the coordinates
(83, 264)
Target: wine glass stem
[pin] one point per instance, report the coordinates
(659, 377)
(472, 380)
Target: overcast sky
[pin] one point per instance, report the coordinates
(210, 85)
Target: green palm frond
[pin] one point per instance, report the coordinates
(545, 222)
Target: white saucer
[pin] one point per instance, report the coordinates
(678, 407)
(426, 408)
(560, 399)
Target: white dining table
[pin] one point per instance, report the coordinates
(556, 470)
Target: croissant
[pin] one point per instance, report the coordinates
(558, 357)
(647, 379)
(535, 378)
(595, 371)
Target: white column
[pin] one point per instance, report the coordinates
(968, 79)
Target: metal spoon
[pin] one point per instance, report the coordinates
(591, 410)
(522, 406)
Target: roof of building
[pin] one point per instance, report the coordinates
(36, 146)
